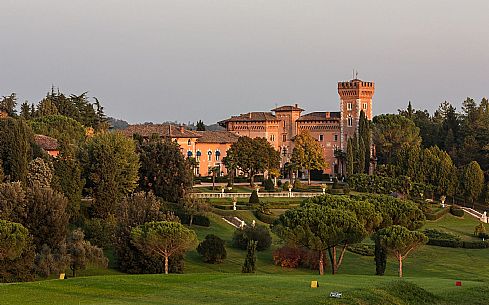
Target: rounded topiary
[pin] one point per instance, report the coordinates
(212, 249)
(456, 211)
(285, 186)
(298, 185)
(268, 185)
(254, 198)
(261, 234)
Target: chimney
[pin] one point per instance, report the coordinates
(249, 115)
(181, 128)
(296, 105)
(327, 115)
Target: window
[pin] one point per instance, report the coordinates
(350, 121)
(218, 154)
(284, 137)
(209, 155)
(189, 142)
(189, 154)
(336, 138)
(349, 106)
(197, 156)
(321, 137)
(272, 138)
(284, 124)
(365, 106)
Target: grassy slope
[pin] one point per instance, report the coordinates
(237, 288)
(433, 268)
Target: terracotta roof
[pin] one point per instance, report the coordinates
(251, 117)
(45, 142)
(320, 116)
(163, 130)
(221, 137)
(288, 108)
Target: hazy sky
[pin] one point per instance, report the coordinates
(208, 59)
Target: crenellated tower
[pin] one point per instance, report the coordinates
(355, 96)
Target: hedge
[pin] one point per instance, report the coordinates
(437, 215)
(447, 243)
(230, 207)
(265, 218)
(362, 249)
(456, 211)
(199, 220)
(223, 212)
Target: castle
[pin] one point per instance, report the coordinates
(330, 129)
(279, 127)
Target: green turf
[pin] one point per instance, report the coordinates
(242, 289)
(461, 226)
(434, 269)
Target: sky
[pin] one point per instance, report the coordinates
(185, 60)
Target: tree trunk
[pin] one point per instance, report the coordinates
(213, 180)
(191, 220)
(340, 260)
(332, 258)
(252, 180)
(321, 262)
(308, 177)
(166, 264)
(400, 265)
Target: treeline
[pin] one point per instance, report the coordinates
(423, 155)
(57, 214)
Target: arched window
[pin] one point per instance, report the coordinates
(350, 121)
(197, 155)
(189, 142)
(218, 155)
(209, 155)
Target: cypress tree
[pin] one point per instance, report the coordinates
(15, 148)
(250, 260)
(350, 157)
(364, 133)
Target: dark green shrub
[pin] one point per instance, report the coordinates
(447, 243)
(298, 186)
(265, 217)
(268, 185)
(100, 232)
(438, 215)
(199, 220)
(254, 198)
(249, 265)
(230, 207)
(286, 185)
(476, 244)
(362, 249)
(212, 249)
(279, 183)
(261, 234)
(336, 191)
(456, 211)
(479, 229)
(436, 234)
(483, 235)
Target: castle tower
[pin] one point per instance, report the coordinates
(288, 115)
(355, 96)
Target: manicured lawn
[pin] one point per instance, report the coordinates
(242, 289)
(462, 226)
(433, 269)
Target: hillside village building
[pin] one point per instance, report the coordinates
(207, 147)
(279, 127)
